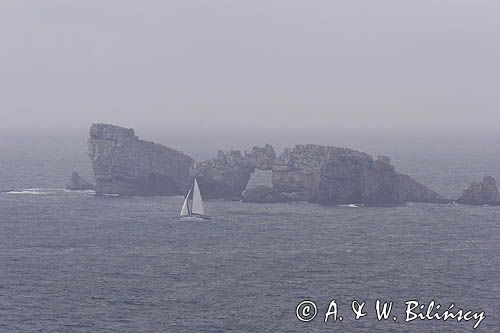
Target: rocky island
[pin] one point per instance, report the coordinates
(482, 193)
(123, 164)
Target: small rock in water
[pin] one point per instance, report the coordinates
(78, 183)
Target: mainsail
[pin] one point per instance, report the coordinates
(197, 201)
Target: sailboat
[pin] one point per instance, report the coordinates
(192, 208)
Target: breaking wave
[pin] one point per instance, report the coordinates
(27, 191)
(44, 191)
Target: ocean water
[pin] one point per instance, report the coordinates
(75, 262)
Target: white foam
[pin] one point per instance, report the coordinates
(78, 191)
(28, 191)
(110, 195)
(42, 191)
(350, 206)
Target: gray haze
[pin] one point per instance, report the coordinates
(250, 64)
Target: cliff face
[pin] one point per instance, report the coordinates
(320, 174)
(125, 165)
(332, 175)
(483, 193)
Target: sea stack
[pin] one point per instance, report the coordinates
(483, 193)
(125, 165)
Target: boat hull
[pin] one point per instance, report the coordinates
(194, 217)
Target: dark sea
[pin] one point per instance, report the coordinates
(71, 261)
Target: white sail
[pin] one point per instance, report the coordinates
(197, 200)
(185, 207)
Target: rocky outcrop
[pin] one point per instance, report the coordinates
(225, 176)
(123, 164)
(263, 194)
(332, 175)
(483, 193)
(78, 183)
(262, 158)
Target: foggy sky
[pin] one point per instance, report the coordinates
(242, 65)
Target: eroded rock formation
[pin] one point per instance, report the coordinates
(483, 193)
(225, 176)
(125, 165)
(332, 175)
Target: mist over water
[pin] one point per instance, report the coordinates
(271, 64)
